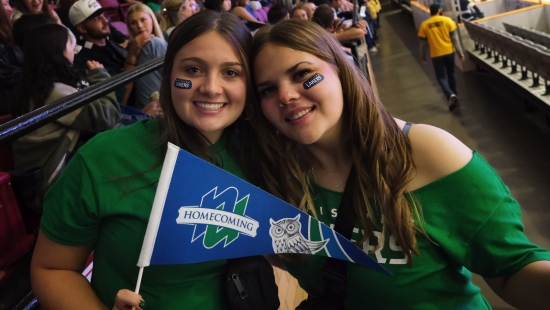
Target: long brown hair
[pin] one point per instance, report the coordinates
(241, 137)
(381, 154)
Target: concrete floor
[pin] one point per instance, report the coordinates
(490, 119)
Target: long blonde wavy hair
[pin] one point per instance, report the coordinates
(140, 7)
(381, 154)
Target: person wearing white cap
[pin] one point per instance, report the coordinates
(87, 16)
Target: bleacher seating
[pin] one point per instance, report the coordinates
(533, 35)
(531, 56)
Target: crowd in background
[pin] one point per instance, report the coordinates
(49, 51)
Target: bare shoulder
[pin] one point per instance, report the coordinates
(436, 153)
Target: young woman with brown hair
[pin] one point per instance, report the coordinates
(427, 208)
(103, 199)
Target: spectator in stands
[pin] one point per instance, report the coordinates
(218, 5)
(103, 200)
(425, 206)
(243, 11)
(23, 25)
(87, 16)
(173, 13)
(324, 16)
(335, 4)
(62, 9)
(309, 7)
(196, 6)
(146, 43)
(369, 15)
(277, 13)
(469, 11)
(32, 7)
(439, 32)
(47, 76)
(7, 7)
(11, 60)
(298, 12)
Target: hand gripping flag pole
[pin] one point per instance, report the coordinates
(202, 213)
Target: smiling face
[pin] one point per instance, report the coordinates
(140, 22)
(308, 116)
(218, 85)
(34, 6)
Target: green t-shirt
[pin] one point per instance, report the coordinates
(474, 224)
(92, 203)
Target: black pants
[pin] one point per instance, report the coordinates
(445, 72)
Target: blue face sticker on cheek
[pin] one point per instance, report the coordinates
(183, 84)
(314, 80)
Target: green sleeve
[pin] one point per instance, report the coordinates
(500, 247)
(472, 218)
(70, 207)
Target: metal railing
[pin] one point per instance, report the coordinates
(20, 126)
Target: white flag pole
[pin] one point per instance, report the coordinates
(156, 211)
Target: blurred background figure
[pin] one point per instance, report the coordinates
(7, 7)
(174, 12)
(49, 54)
(277, 13)
(32, 7)
(298, 12)
(11, 61)
(147, 42)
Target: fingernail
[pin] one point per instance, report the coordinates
(142, 304)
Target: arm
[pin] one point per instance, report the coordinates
(98, 115)
(456, 43)
(436, 154)
(525, 289)
(56, 276)
(352, 33)
(243, 14)
(423, 49)
(131, 60)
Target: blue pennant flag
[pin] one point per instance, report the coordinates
(203, 213)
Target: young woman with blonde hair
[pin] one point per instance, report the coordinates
(146, 42)
(426, 207)
(174, 12)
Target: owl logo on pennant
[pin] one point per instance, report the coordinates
(286, 237)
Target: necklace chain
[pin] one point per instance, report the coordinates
(312, 171)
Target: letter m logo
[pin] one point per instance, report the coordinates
(222, 201)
